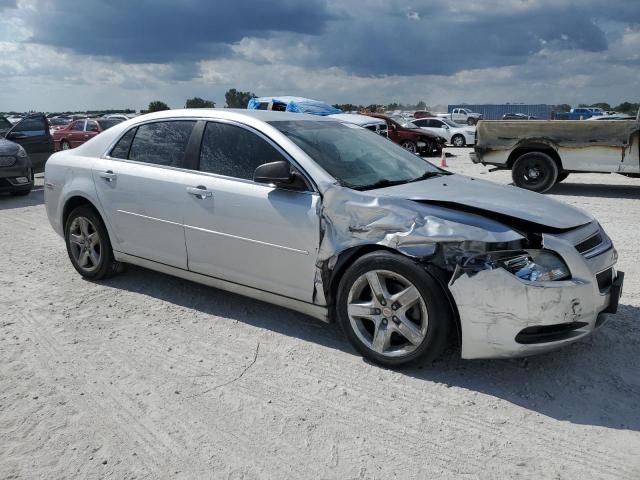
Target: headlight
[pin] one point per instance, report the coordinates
(22, 153)
(530, 265)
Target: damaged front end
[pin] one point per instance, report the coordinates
(517, 289)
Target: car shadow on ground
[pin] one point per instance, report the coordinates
(596, 190)
(9, 202)
(592, 382)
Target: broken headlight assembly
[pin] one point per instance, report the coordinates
(529, 265)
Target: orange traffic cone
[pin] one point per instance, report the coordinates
(443, 160)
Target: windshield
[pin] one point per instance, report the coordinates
(356, 157)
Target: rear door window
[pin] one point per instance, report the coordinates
(32, 127)
(162, 143)
(234, 151)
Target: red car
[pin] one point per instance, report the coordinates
(79, 131)
(411, 137)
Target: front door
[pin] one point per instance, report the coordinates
(143, 188)
(33, 134)
(246, 232)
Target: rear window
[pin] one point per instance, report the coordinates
(162, 143)
(106, 124)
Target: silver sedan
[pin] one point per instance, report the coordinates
(329, 219)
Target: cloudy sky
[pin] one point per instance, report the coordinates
(92, 54)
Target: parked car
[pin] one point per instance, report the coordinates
(371, 123)
(32, 133)
(410, 137)
(518, 116)
(80, 131)
(423, 114)
(5, 126)
(581, 113)
(455, 134)
(117, 116)
(56, 123)
(338, 223)
(292, 104)
(16, 172)
(542, 154)
(462, 115)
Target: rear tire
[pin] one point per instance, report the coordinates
(535, 171)
(64, 145)
(88, 244)
(408, 321)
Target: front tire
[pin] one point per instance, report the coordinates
(88, 244)
(64, 145)
(535, 171)
(392, 310)
(458, 141)
(410, 146)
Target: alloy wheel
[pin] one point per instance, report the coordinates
(387, 313)
(85, 244)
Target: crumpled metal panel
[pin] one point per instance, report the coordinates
(494, 305)
(352, 218)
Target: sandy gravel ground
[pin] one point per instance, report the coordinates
(147, 376)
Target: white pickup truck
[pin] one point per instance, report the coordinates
(541, 153)
(462, 115)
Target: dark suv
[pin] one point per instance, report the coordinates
(26, 148)
(412, 138)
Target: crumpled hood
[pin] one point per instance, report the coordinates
(480, 196)
(8, 148)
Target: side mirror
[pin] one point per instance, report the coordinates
(274, 173)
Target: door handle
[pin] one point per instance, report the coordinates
(200, 192)
(108, 176)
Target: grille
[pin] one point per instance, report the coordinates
(590, 243)
(7, 161)
(605, 279)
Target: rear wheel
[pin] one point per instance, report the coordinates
(392, 310)
(535, 171)
(64, 145)
(458, 141)
(88, 244)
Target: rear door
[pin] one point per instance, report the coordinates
(76, 133)
(143, 188)
(33, 134)
(247, 232)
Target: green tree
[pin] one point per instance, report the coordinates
(157, 106)
(627, 107)
(563, 107)
(421, 105)
(197, 102)
(238, 99)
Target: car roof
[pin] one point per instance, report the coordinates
(232, 114)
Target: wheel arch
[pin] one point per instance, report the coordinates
(347, 257)
(531, 146)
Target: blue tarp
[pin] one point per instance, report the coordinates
(294, 104)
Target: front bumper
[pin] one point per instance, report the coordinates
(503, 316)
(12, 179)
